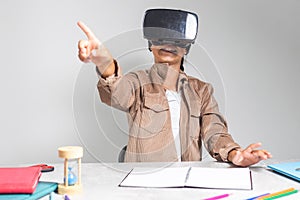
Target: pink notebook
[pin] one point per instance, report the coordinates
(22, 180)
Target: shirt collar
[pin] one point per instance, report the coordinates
(159, 73)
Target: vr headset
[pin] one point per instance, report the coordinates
(167, 26)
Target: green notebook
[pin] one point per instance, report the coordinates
(42, 189)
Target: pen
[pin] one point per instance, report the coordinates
(281, 195)
(277, 193)
(217, 197)
(262, 195)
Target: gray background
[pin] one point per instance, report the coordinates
(249, 50)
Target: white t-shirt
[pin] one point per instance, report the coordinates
(174, 99)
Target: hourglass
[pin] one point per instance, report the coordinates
(72, 183)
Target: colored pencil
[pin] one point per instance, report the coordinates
(277, 193)
(262, 195)
(281, 195)
(217, 197)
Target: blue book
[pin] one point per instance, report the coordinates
(42, 189)
(289, 169)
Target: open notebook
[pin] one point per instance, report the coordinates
(289, 169)
(198, 177)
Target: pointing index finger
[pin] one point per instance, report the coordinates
(90, 35)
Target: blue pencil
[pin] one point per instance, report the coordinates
(253, 198)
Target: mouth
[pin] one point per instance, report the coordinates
(171, 50)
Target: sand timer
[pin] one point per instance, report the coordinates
(72, 182)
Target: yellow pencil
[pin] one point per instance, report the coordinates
(282, 195)
(277, 193)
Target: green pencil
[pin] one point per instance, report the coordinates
(281, 195)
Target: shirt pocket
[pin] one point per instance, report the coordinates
(155, 113)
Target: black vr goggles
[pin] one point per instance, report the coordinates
(167, 26)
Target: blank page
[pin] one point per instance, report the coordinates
(151, 177)
(222, 178)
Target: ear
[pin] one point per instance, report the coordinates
(187, 49)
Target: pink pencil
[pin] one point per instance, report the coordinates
(217, 197)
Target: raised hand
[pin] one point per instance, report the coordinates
(249, 156)
(91, 50)
(85, 47)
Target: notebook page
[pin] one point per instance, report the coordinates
(222, 178)
(151, 177)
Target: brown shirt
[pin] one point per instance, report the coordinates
(141, 94)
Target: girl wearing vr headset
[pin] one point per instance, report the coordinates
(169, 113)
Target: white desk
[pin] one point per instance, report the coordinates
(101, 180)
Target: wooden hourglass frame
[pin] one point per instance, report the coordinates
(70, 153)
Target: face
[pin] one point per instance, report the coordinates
(168, 54)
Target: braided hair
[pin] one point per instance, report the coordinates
(181, 64)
